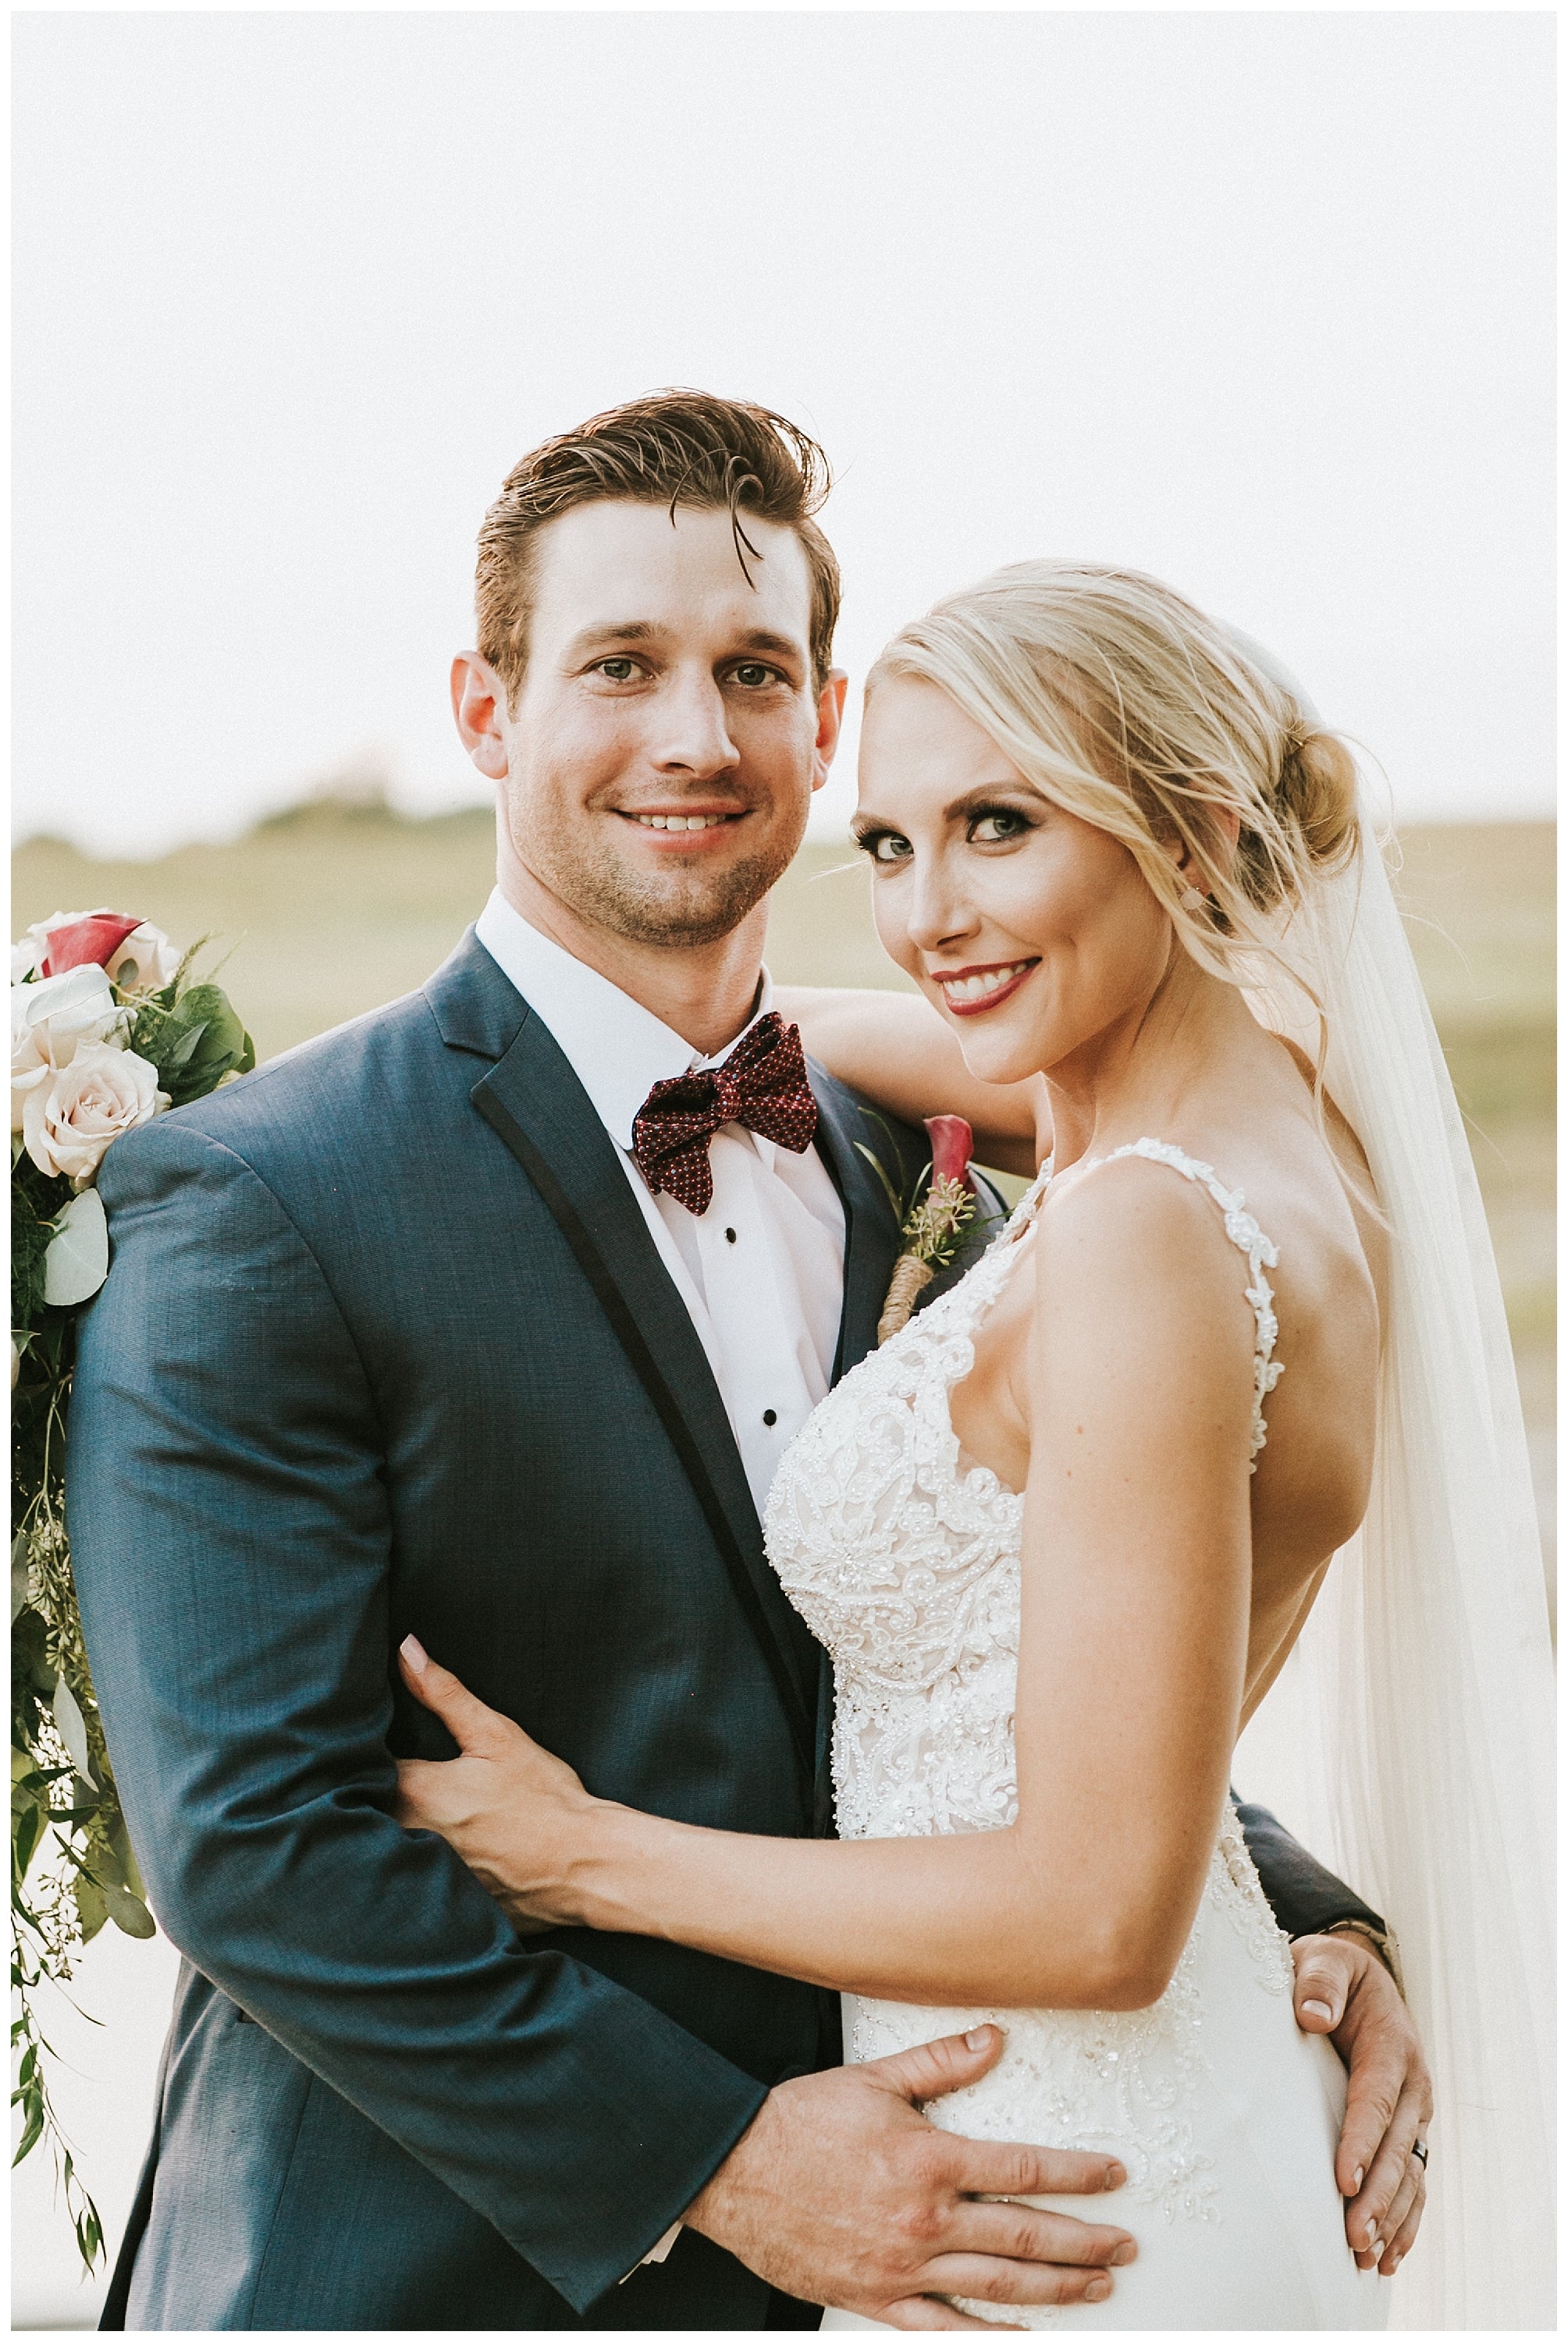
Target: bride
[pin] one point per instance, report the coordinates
(1063, 1533)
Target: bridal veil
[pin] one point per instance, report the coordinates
(1409, 1739)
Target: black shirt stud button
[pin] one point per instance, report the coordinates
(729, 1235)
(769, 1417)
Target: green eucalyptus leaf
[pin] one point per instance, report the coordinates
(71, 1725)
(126, 1868)
(33, 2130)
(27, 1829)
(89, 2233)
(91, 1904)
(128, 1912)
(106, 1859)
(27, 1794)
(29, 1656)
(77, 1260)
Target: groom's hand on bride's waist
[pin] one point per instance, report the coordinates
(1343, 1990)
(842, 2192)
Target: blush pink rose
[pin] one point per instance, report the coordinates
(71, 1120)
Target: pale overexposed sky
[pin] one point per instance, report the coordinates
(1260, 302)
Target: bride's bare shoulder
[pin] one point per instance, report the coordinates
(1130, 1222)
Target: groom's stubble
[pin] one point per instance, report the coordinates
(676, 910)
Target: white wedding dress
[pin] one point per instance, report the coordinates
(904, 1559)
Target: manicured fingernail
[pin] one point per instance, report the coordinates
(1099, 2290)
(1359, 2176)
(1115, 2176)
(979, 2039)
(414, 1651)
(1374, 2241)
(1317, 2008)
(1124, 2253)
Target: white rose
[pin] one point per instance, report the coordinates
(69, 1120)
(145, 961)
(51, 1020)
(29, 1066)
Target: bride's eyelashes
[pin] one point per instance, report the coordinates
(985, 825)
(998, 825)
(884, 845)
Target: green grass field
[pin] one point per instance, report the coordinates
(329, 910)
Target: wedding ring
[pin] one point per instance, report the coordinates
(1418, 2148)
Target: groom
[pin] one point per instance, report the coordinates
(486, 1318)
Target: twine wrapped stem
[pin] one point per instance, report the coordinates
(910, 1278)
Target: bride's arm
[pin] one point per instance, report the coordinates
(1136, 1573)
(902, 1053)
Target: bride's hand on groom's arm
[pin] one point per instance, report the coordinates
(519, 1817)
(1345, 1990)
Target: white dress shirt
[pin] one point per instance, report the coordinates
(761, 1271)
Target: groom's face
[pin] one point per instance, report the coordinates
(661, 753)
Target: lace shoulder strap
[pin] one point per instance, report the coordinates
(1248, 1238)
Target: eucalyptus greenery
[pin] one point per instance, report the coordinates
(71, 1866)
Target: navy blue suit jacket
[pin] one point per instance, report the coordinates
(384, 1347)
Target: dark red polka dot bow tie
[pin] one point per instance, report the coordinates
(761, 1083)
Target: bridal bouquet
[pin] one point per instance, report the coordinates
(107, 1030)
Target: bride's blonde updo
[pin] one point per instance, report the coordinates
(1119, 700)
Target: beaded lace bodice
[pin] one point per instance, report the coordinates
(903, 1559)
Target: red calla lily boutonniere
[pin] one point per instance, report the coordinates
(941, 1205)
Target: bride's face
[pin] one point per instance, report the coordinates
(1034, 932)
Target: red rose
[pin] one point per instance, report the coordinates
(87, 942)
(952, 1148)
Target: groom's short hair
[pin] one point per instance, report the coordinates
(672, 447)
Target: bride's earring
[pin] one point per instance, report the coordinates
(1192, 900)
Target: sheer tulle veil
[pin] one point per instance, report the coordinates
(1409, 1740)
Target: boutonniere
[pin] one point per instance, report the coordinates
(931, 1217)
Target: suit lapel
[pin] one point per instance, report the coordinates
(870, 1232)
(534, 1103)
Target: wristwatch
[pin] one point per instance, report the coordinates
(1381, 1940)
